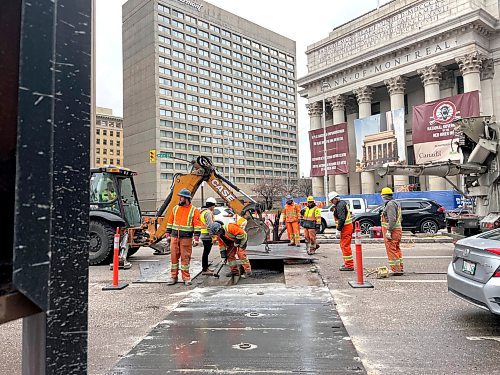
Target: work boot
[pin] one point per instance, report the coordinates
(171, 281)
(291, 244)
(208, 272)
(344, 268)
(298, 245)
(396, 273)
(231, 274)
(187, 282)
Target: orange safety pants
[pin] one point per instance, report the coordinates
(345, 245)
(310, 236)
(393, 250)
(292, 229)
(242, 256)
(180, 249)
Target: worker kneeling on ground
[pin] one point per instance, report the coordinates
(183, 225)
(343, 218)
(290, 217)
(392, 230)
(311, 223)
(232, 243)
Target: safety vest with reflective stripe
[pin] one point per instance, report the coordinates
(348, 216)
(108, 196)
(184, 221)
(384, 220)
(241, 221)
(233, 233)
(313, 214)
(291, 213)
(204, 229)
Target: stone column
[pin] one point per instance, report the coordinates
(315, 110)
(396, 88)
(364, 96)
(470, 65)
(430, 77)
(487, 74)
(354, 177)
(340, 182)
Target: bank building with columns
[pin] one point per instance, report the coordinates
(375, 72)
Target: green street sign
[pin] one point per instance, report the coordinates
(163, 154)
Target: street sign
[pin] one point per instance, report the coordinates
(164, 155)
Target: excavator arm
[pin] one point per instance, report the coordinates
(203, 170)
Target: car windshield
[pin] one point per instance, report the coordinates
(491, 235)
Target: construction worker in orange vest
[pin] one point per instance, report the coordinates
(290, 217)
(311, 222)
(183, 225)
(232, 243)
(391, 220)
(343, 218)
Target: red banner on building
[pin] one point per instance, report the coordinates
(433, 128)
(337, 150)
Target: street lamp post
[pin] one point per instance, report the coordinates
(325, 85)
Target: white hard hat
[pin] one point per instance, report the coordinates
(211, 200)
(332, 195)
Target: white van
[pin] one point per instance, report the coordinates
(357, 206)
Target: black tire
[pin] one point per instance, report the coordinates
(132, 251)
(101, 242)
(429, 226)
(322, 227)
(365, 226)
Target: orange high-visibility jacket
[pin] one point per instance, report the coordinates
(233, 233)
(290, 213)
(184, 221)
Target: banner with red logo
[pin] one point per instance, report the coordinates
(337, 150)
(433, 129)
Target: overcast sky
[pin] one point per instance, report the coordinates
(305, 22)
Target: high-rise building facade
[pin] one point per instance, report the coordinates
(108, 138)
(199, 80)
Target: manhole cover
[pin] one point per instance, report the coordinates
(254, 315)
(244, 346)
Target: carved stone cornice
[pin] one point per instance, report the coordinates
(488, 69)
(470, 63)
(447, 80)
(314, 109)
(364, 94)
(337, 102)
(396, 85)
(351, 105)
(430, 74)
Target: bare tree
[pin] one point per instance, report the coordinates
(269, 189)
(304, 187)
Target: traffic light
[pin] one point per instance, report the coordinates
(152, 156)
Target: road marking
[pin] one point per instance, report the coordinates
(417, 281)
(416, 257)
(481, 338)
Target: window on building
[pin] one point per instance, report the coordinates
(118, 143)
(98, 160)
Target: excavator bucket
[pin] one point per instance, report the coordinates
(257, 232)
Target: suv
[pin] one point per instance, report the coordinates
(357, 206)
(419, 215)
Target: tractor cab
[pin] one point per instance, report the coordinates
(112, 191)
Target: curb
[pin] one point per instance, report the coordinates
(381, 240)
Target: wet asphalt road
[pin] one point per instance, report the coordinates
(410, 325)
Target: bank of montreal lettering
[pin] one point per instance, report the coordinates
(221, 189)
(402, 23)
(405, 59)
(191, 4)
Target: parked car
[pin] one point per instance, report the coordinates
(224, 214)
(357, 206)
(419, 215)
(474, 272)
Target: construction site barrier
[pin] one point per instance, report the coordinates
(116, 285)
(359, 283)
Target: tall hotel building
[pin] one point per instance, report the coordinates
(199, 80)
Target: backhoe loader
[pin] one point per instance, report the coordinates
(114, 203)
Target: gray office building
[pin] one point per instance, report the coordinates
(199, 80)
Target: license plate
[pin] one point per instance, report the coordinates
(469, 267)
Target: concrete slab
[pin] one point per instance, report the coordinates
(253, 329)
(158, 271)
(278, 251)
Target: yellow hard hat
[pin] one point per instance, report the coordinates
(310, 198)
(386, 191)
